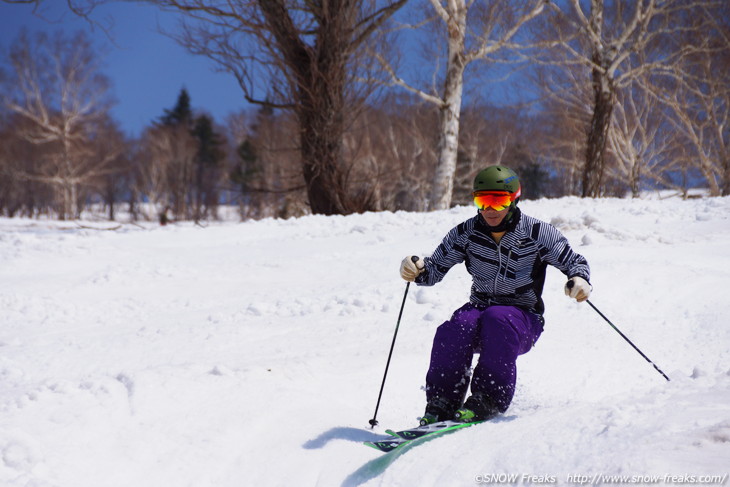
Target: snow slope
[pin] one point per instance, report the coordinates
(251, 354)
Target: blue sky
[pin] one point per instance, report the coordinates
(147, 69)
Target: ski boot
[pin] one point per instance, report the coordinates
(478, 407)
(437, 409)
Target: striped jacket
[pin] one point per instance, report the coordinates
(511, 272)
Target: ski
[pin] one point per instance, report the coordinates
(404, 437)
(418, 431)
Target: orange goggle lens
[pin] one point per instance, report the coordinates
(499, 200)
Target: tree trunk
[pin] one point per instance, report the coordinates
(597, 139)
(443, 179)
(321, 113)
(320, 149)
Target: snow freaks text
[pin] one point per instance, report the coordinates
(599, 479)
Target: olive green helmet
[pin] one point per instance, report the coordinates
(498, 178)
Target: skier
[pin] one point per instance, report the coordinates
(506, 252)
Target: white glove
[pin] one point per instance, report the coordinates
(578, 289)
(411, 267)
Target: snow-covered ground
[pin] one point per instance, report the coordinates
(251, 354)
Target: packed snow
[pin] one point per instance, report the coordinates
(251, 354)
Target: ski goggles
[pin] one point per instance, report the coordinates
(499, 200)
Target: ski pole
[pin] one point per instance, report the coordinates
(373, 422)
(570, 285)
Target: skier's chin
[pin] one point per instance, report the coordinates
(493, 218)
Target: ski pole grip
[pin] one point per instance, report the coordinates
(570, 284)
(415, 259)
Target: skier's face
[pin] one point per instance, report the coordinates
(492, 216)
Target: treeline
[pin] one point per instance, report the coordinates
(612, 98)
(185, 165)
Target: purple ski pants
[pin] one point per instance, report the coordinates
(499, 334)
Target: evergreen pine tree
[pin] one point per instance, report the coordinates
(208, 163)
(181, 114)
(210, 151)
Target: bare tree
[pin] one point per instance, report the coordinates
(266, 165)
(701, 122)
(55, 86)
(19, 195)
(110, 144)
(508, 136)
(83, 9)
(493, 27)
(565, 110)
(392, 154)
(167, 170)
(605, 36)
(640, 140)
(697, 96)
(301, 56)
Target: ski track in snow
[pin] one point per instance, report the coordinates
(252, 353)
